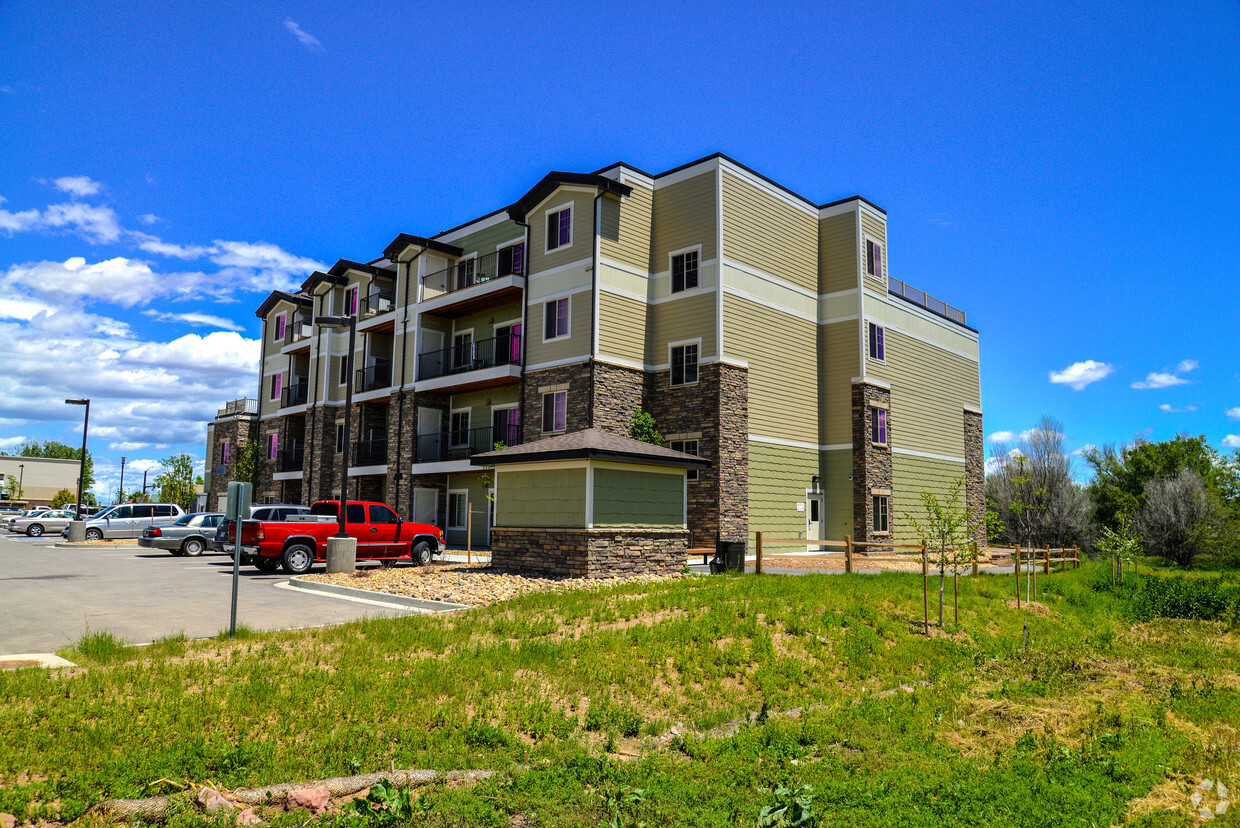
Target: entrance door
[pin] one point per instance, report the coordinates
(813, 520)
(430, 362)
(504, 426)
(430, 449)
(426, 506)
(490, 513)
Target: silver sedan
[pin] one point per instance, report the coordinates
(187, 535)
(37, 525)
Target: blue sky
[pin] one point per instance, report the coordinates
(1065, 173)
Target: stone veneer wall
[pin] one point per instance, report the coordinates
(577, 377)
(235, 429)
(871, 464)
(618, 396)
(732, 461)
(975, 475)
(590, 553)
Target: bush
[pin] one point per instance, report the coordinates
(1206, 599)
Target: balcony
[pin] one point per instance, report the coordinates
(463, 443)
(236, 408)
(374, 377)
(296, 393)
(478, 364)
(292, 459)
(381, 299)
(372, 452)
(911, 294)
(298, 329)
(475, 284)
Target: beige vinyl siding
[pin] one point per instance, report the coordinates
(837, 518)
(928, 388)
(577, 343)
(840, 362)
(625, 228)
(769, 235)
(680, 319)
(781, 351)
(622, 327)
(910, 477)
(837, 253)
(488, 240)
(684, 214)
(478, 504)
(778, 478)
(582, 246)
(875, 229)
(640, 499)
(546, 497)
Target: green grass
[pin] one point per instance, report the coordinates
(963, 727)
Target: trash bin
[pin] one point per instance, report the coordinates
(729, 557)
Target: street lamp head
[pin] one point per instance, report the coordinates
(333, 321)
(77, 402)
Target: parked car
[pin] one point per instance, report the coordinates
(127, 520)
(5, 520)
(187, 535)
(382, 535)
(259, 511)
(36, 525)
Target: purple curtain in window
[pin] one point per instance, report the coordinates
(518, 258)
(878, 261)
(561, 410)
(566, 217)
(280, 327)
(880, 350)
(224, 456)
(561, 317)
(275, 442)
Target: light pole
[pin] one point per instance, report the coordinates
(341, 549)
(82, 465)
(121, 488)
(21, 475)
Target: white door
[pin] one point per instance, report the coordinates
(429, 438)
(490, 513)
(426, 506)
(430, 363)
(813, 520)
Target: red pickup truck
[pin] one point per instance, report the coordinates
(296, 544)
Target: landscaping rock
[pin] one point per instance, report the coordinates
(7, 821)
(314, 800)
(213, 801)
(248, 817)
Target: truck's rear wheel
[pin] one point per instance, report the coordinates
(421, 553)
(297, 559)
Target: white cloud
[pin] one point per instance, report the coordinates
(196, 319)
(1164, 379)
(120, 281)
(1233, 413)
(1186, 366)
(1231, 441)
(130, 447)
(1010, 436)
(152, 244)
(215, 351)
(996, 462)
(12, 223)
(305, 38)
(95, 224)
(140, 466)
(148, 218)
(1080, 374)
(268, 264)
(10, 443)
(1080, 452)
(1172, 410)
(78, 185)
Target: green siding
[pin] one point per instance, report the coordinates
(912, 475)
(478, 504)
(625, 497)
(551, 497)
(837, 483)
(490, 239)
(778, 478)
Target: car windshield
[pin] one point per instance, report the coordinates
(105, 513)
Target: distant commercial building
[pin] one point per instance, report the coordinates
(40, 477)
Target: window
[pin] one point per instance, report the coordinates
(688, 447)
(339, 438)
(555, 411)
(878, 426)
(146, 511)
(382, 514)
(225, 453)
(878, 349)
(459, 434)
(815, 515)
(463, 351)
(559, 228)
(555, 319)
(350, 301)
(465, 273)
(344, 369)
(458, 509)
(512, 260)
(272, 446)
(275, 386)
(880, 513)
(163, 510)
(508, 344)
(874, 259)
(505, 426)
(279, 328)
(684, 364)
(685, 271)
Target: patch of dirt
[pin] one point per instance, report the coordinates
(15, 664)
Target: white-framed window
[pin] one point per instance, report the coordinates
(273, 446)
(560, 227)
(505, 425)
(344, 369)
(878, 345)
(511, 259)
(225, 453)
(556, 318)
(685, 269)
(466, 272)
(881, 504)
(463, 350)
(874, 259)
(554, 411)
(878, 426)
(350, 300)
(458, 429)
(276, 380)
(688, 447)
(684, 358)
(458, 508)
(339, 438)
(278, 327)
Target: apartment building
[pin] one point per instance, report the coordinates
(762, 330)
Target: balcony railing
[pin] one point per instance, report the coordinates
(381, 299)
(296, 393)
(292, 458)
(472, 272)
(462, 444)
(297, 329)
(473, 356)
(374, 376)
(245, 406)
(372, 452)
(918, 297)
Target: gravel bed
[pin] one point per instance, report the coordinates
(474, 585)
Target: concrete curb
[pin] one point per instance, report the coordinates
(71, 545)
(371, 595)
(39, 659)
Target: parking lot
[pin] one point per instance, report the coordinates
(50, 596)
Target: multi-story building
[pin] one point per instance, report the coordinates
(760, 329)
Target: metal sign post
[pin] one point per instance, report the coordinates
(240, 497)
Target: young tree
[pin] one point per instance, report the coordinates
(176, 482)
(137, 496)
(62, 497)
(643, 429)
(946, 531)
(249, 463)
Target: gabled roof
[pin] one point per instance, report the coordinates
(318, 276)
(277, 296)
(590, 444)
(343, 266)
(405, 240)
(551, 180)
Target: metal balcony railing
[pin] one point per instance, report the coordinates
(372, 452)
(381, 299)
(296, 393)
(472, 356)
(374, 376)
(462, 444)
(918, 297)
(245, 406)
(292, 458)
(297, 329)
(507, 262)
